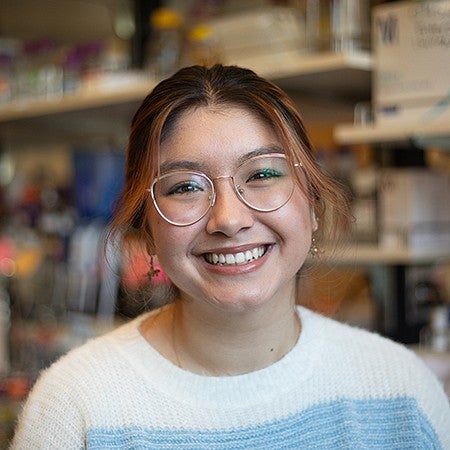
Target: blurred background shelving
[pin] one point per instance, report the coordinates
(343, 76)
(62, 155)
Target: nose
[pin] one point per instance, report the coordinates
(228, 215)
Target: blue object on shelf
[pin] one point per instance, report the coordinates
(99, 177)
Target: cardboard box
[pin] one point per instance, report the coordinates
(411, 79)
(414, 210)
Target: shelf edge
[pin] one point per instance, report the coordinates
(365, 254)
(370, 134)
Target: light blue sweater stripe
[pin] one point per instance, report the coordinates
(358, 424)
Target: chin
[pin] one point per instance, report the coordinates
(239, 303)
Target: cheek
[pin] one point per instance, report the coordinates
(167, 250)
(171, 244)
(296, 222)
(164, 236)
(299, 217)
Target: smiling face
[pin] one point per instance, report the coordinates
(234, 258)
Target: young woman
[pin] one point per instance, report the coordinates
(222, 186)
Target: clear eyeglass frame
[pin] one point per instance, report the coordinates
(212, 196)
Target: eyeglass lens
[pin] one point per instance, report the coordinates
(263, 183)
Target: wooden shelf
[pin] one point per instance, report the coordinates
(372, 134)
(344, 75)
(97, 113)
(78, 101)
(107, 110)
(365, 254)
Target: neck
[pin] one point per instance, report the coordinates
(231, 343)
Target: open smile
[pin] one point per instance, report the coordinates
(235, 259)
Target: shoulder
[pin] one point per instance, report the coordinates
(363, 364)
(379, 363)
(80, 386)
(82, 366)
(350, 342)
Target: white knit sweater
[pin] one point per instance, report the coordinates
(338, 388)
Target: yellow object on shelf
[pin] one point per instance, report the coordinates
(166, 18)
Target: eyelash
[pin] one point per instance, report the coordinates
(183, 188)
(264, 174)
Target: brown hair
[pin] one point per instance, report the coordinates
(219, 86)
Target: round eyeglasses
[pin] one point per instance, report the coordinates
(263, 183)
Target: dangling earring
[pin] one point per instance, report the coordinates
(152, 272)
(314, 250)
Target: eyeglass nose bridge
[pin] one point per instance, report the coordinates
(233, 184)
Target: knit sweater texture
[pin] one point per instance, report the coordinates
(339, 388)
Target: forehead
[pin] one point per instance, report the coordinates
(216, 134)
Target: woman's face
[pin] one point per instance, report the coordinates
(215, 143)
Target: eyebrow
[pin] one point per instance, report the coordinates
(183, 164)
(260, 151)
(180, 164)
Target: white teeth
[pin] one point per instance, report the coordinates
(240, 258)
(229, 259)
(236, 258)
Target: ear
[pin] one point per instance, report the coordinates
(314, 221)
(150, 248)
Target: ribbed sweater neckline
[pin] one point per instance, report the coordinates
(221, 391)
